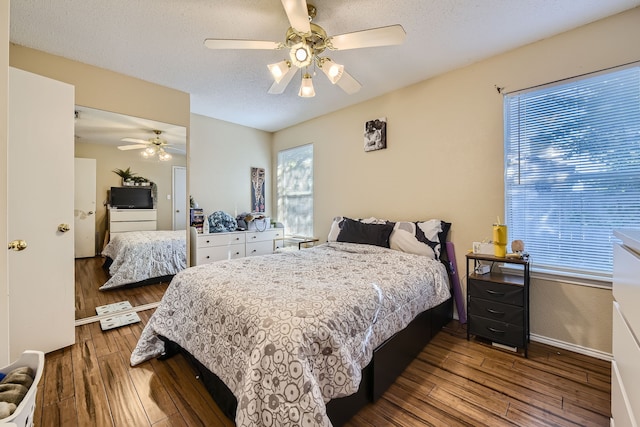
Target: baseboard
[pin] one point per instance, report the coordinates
(573, 347)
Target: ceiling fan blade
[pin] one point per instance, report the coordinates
(241, 44)
(383, 36)
(297, 14)
(348, 84)
(135, 140)
(278, 88)
(132, 147)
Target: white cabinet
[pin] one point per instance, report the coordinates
(212, 247)
(625, 369)
(121, 220)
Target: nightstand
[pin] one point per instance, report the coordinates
(498, 303)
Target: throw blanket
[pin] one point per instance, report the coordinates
(290, 331)
(141, 255)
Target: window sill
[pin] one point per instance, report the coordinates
(572, 278)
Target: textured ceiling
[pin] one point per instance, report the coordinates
(161, 41)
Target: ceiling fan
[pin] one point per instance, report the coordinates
(306, 41)
(153, 146)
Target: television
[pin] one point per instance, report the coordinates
(131, 198)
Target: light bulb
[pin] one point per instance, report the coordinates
(306, 87)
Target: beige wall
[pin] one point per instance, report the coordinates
(221, 157)
(109, 158)
(445, 158)
(4, 79)
(107, 90)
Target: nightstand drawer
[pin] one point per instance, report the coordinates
(496, 311)
(507, 294)
(504, 333)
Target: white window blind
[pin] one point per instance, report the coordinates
(572, 169)
(295, 190)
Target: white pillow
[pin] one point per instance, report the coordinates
(420, 238)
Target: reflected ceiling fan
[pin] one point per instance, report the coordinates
(306, 42)
(153, 146)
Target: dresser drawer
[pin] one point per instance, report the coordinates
(626, 352)
(497, 311)
(262, 236)
(133, 215)
(626, 284)
(506, 294)
(259, 248)
(504, 333)
(219, 253)
(120, 227)
(220, 239)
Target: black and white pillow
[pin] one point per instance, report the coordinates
(421, 238)
(338, 222)
(353, 231)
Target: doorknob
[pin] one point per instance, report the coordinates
(63, 228)
(18, 245)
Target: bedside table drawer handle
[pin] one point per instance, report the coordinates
(489, 291)
(496, 312)
(496, 331)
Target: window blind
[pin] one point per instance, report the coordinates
(572, 169)
(295, 190)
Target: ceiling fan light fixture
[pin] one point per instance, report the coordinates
(164, 156)
(331, 69)
(301, 54)
(306, 88)
(279, 69)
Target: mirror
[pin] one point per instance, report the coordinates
(98, 134)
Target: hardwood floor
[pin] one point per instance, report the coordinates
(90, 276)
(453, 382)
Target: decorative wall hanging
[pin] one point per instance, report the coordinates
(375, 134)
(257, 190)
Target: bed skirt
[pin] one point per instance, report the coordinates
(388, 362)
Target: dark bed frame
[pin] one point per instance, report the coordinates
(388, 362)
(150, 281)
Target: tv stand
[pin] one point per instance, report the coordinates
(122, 220)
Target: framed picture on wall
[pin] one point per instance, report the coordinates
(257, 190)
(375, 134)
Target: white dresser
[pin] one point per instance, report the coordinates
(121, 220)
(212, 247)
(625, 367)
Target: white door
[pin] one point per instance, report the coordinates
(179, 198)
(40, 200)
(84, 208)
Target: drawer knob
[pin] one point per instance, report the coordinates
(237, 253)
(208, 241)
(208, 257)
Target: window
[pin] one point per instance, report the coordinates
(295, 190)
(572, 169)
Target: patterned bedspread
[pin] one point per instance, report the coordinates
(288, 332)
(141, 255)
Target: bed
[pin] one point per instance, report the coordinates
(136, 258)
(276, 337)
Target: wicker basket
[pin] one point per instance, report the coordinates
(23, 415)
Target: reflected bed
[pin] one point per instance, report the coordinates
(136, 258)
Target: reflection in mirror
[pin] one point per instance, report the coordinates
(155, 153)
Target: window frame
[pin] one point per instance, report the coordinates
(279, 200)
(573, 274)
